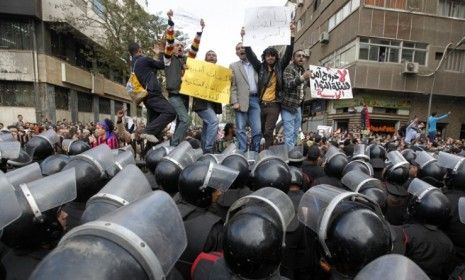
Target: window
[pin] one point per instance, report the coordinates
(384, 50)
(341, 57)
(17, 94)
(451, 8)
(104, 106)
(61, 98)
(84, 102)
(99, 8)
(462, 132)
(455, 61)
(390, 4)
(343, 13)
(118, 105)
(15, 34)
(58, 43)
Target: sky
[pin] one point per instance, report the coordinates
(223, 22)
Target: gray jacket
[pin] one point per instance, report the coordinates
(173, 74)
(240, 89)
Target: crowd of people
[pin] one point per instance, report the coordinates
(123, 200)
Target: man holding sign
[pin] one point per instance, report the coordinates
(270, 83)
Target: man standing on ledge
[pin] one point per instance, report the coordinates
(432, 121)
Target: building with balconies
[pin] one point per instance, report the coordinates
(388, 46)
(44, 71)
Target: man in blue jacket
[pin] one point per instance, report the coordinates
(432, 121)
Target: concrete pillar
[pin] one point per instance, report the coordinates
(112, 109)
(73, 105)
(45, 105)
(95, 107)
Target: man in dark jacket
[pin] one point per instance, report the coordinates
(159, 108)
(270, 84)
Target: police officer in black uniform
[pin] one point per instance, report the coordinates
(377, 157)
(334, 163)
(201, 184)
(54, 164)
(426, 244)
(74, 147)
(311, 166)
(271, 170)
(429, 169)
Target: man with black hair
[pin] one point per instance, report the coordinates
(270, 83)
(310, 167)
(159, 108)
(432, 121)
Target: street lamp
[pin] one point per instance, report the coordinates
(452, 48)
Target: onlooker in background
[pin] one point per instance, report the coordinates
(432, 121)
(20, 121)
(105, 135)
(413, 130)
(228, 137)
(245, 100)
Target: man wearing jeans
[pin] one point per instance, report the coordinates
(207, 111)
(173, 74)
(295, 80)
(432, 121)
(245, 100)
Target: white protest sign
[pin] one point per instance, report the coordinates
(269, 26)
(330, 83)
(324, 130)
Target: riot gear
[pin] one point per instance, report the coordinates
(359, 182)
(334, 163)
(24, 174)
(271, 171)
(360, 165)
(74, 147)
(397, 169)
(156, 154)
(254, 233)
(238, 162)
(54, 164)
(42, 145)
(170, 167)
(39, 201)
(144, 239)
(409, 155)
(377, 155)
(123, 158)
(23, 159)
(127, 186)
(428, 204)
(296, 176)
(429, 169)
(392, 267)
(361, 153)
(198, 181)
(455, 176)
(10, 149)
(296, 156)
(350, 227)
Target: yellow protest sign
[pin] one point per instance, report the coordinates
(207, 81)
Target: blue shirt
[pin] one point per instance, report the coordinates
(432, 121)
(250, 72)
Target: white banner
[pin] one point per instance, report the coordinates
(330, 83)
(268, 26)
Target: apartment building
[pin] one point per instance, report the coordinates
(389, 47)
(44, 70)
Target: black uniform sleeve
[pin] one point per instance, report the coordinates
(215, 238)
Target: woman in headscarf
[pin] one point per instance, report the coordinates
(105, 135)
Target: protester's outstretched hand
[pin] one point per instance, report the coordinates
(307, 74)
(120, 114)
(242, 32)
(156, 49)
(202, 23)
(292, 28)
(170, 14)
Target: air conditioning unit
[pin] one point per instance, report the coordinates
(300, 3)
(324, 37)
(410, 68)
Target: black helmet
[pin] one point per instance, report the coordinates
(155, 155)
(350, 227)
(429, 169)
(397, 169)
(297, 177)
(74, 147)
(23, 159)
(239, 163)
(254, 233)
(392, 266)
(428, 204)
(409, 155)
(335, 162)
(455, 174)
(296, 156)
(54, 164)
(198, 181)
(168, 169)
(42, 145)
(40, 202)
(360, 182)
(270, 171)
(360, 153)
(377, 155)
(361, 165)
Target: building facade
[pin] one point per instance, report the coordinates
(389, 47)
(45, 73)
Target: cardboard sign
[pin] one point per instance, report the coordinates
(207, 81)
(330, 83)
(268, 26)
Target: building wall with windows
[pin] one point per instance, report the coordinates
(373, 39)
(44, 73)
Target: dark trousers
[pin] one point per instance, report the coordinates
(159, 114)
(269, 117)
